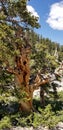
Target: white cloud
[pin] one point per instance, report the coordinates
(55, 18)
(32, 11)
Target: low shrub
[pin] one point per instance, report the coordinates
(5, 122)
(49, 116)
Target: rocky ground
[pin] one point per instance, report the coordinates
(58, 127)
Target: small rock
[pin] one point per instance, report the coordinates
(42, 128)
(46, 128)
(59, 126)
(22, 128)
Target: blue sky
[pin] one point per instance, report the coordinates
(50, 14)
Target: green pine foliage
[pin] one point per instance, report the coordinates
(5, 123)
(14, 15)
(48, 116)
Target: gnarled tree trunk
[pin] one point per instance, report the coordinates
(22, 76)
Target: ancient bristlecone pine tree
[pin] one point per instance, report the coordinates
(22, 76)
(14, 21)
(22, 72)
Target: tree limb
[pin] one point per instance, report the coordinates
(39, 83)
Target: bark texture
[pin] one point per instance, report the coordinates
(22, 76)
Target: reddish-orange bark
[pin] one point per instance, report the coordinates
(22, 76)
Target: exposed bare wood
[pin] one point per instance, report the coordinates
(38, 84)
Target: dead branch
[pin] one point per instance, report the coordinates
(39, 82)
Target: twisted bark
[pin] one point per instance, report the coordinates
(22, 76)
